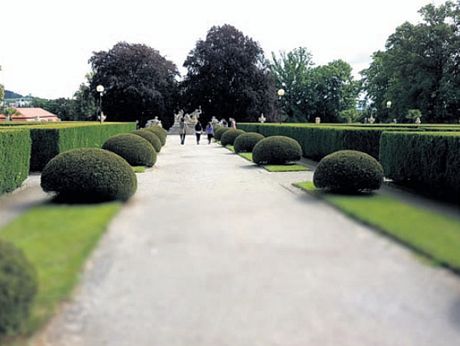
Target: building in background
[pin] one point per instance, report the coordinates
(30, 114)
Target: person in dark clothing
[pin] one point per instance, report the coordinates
(182, 130)
(198, 130)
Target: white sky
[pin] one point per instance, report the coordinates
(46, 44)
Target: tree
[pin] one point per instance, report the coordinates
(227, 75)
(419, 68)
(139, 83)
(322, 91)
(293, 72)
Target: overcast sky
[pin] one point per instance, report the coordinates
(46, 44)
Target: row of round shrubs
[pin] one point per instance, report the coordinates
(345, 171)
(85, 174)
(90, 174)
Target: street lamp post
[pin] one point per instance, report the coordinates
(100, 90)
(388, 104)
(280, 93)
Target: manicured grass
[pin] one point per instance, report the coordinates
(57, 239)
(432, 234)
(138, 169)
(285, 168)
(247, 156)
(231, 148)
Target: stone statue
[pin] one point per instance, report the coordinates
(262, 118)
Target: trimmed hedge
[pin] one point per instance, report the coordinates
(245, 143)
(90, 174)
(160, 132)
(348, 171)
(18, 287)
(15, 148)
(49, 141)
(428, 161)
(151, 137)
(228, 137)
(134, 149)
(220, 131)
(276, 150)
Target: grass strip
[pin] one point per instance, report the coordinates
(230, 147)
(138, 169)
(285, 168)
(57, 239)
(429, 233)
(247, 156)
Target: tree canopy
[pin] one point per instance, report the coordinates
(311, 91)
(419, 68)
(139, 83)
(228, 76)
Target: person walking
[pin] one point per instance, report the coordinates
(210, 132)
(198, 131)
(182, 130)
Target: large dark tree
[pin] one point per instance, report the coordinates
(420, 68)
(228, 76)
(139, 83)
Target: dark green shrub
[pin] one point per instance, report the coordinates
(134, 149)
(18, 287)
(48, 141)
(426, 161)
(246, 142)
(160, 132)
(348, 171)
(151, 137)
(220, 131)
(228, 137)
(276, 150)
(15, 146)
(90, 174)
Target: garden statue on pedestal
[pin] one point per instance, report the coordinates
(262, 118)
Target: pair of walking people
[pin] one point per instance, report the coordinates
(198, 131)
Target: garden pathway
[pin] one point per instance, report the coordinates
(214, 251)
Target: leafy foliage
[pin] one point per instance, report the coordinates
(276, 150)
(88, 174)
(228, 138)
(151, 137)
(245, 143)
(139, 83)
(322, 91)
(348, 171)
(419, 68)
(227, 76)
(15, 147)
(218, 133)
(161, 133)
(18, 287)
(134, 149)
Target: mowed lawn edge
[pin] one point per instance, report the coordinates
(57, 240)
(427, 232)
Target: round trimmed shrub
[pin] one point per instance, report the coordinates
(89, 174)
(160, 132)
(220, 131)
(18, 287)
(246, 142)
(228, 138)
(134, 149)
(348, 171)
(276, 150)
(151, 137)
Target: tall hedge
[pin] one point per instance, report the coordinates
(47, 142)
(15, 147)
(427, 161)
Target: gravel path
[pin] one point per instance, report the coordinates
(213, 251)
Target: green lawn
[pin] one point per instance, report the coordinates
(247, 156)
(57, 239)
(138, 169)
(285, 168)
(231, 148)
(432, 234)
